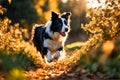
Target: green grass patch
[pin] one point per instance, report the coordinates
(10, 60)
(74, 46)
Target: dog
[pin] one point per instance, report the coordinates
(51, 37)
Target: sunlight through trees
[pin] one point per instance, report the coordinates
(98, 25)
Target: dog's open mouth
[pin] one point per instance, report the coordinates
(63, 33)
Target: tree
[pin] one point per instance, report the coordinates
(20, 11)
(76, 6)
(78, 10)
(44, 8)
(105, 21)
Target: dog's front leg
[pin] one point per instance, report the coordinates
(59, 51)
(48, 52)
(49, 56)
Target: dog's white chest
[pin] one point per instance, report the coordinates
(53, 45)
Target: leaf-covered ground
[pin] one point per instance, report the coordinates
(72, 67)
(75, 66)
(66, 69)
(56, 74)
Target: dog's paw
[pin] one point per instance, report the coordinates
(62, 56)
(49, 60)
(49, 56)
(56, 56)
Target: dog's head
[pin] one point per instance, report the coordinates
(60, 23)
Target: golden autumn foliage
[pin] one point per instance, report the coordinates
(105, 21)
(44, 8)
(93, 56)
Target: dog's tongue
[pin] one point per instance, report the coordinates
(63, 33)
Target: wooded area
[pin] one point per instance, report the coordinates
(93, 46)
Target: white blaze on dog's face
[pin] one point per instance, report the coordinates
(65, 27)
(60, 24)
(66, 22)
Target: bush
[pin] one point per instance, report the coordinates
(14, 50)
(10, 60)
(105, 22)
(96, 61)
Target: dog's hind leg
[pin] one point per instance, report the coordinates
(59, 51)
(47, 52)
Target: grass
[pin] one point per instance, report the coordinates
(74, 46)
(10, 60)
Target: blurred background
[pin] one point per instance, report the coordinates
(95, 45)
(30, 12)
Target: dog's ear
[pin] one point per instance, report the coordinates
(66, 15)
(54, 16)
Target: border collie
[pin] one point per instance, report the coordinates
(51, 37)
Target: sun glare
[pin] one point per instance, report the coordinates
(64, 1)
(95, 3)
(92, 3)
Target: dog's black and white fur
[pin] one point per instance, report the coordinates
(51, 37)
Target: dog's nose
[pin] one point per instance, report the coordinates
(66, 29)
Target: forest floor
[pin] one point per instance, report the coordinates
(59, 70)
(56, 74)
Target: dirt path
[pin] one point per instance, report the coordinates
(55, 74)
(66, 69)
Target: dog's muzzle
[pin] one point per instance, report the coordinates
(65, 32)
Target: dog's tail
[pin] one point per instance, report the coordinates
(36, 38)
(33, 32)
